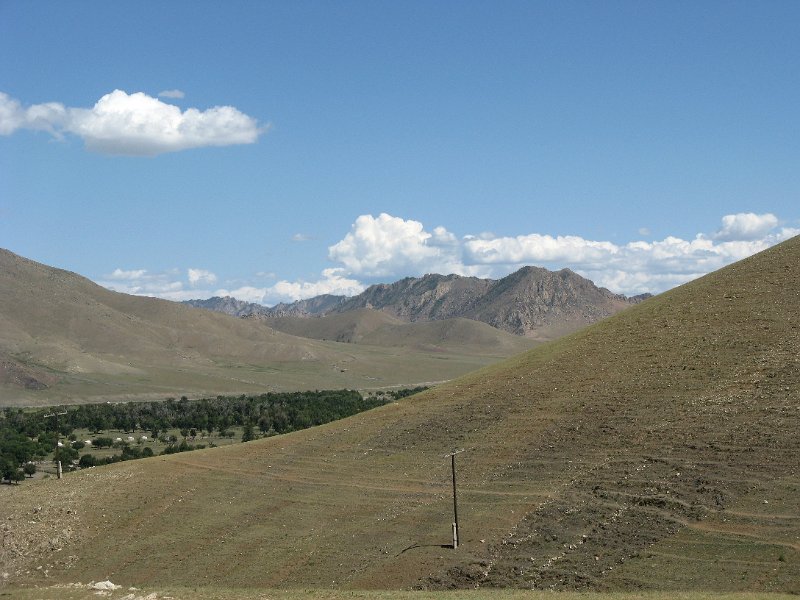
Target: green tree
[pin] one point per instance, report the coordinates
(29, 468)
(7, 467)
(87, 460)
(264, 423)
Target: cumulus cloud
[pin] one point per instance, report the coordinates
(537, 248)
(41, 117)
(391, 247)
(746, 226)
(121, 275)
(201, 276)
(386, 245)
(176, 94)
(133, 124)
(333, 281)
(141, 282)
(169, 285)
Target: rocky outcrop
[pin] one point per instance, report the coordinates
(319, 305)
(528, 301)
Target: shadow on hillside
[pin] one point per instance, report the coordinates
(449, 546)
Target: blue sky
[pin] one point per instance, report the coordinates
(276, 150)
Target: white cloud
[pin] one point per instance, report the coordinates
(12, 116)
(133, 124)
(301, 237)
(120, 275)
(167, 285)
(332, 282)
(200, 276)
(746, 226)
(537, 248)
(176, 94)
(387, 246)
(390, 247)
(141, 282)
(45, 117)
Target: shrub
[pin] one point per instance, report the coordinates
(87, 460)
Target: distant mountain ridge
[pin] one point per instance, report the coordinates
(318, 305)
(532, 301)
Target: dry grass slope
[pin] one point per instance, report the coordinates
(377, 328)
(656, 450)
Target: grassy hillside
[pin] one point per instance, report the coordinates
(63, 338)
(655, 450)
(345, 327)
(377, 328)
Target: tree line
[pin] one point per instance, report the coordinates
(26, 435)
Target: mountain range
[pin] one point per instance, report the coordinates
(533, 302)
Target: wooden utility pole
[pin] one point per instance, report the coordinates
(55, 414)
(452, 456)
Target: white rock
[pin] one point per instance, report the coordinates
(105, 585)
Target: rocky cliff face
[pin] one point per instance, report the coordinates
(227, 305)
(528, 301)
(318, 305)
(311, 307)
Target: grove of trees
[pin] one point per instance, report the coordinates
(25, 435)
